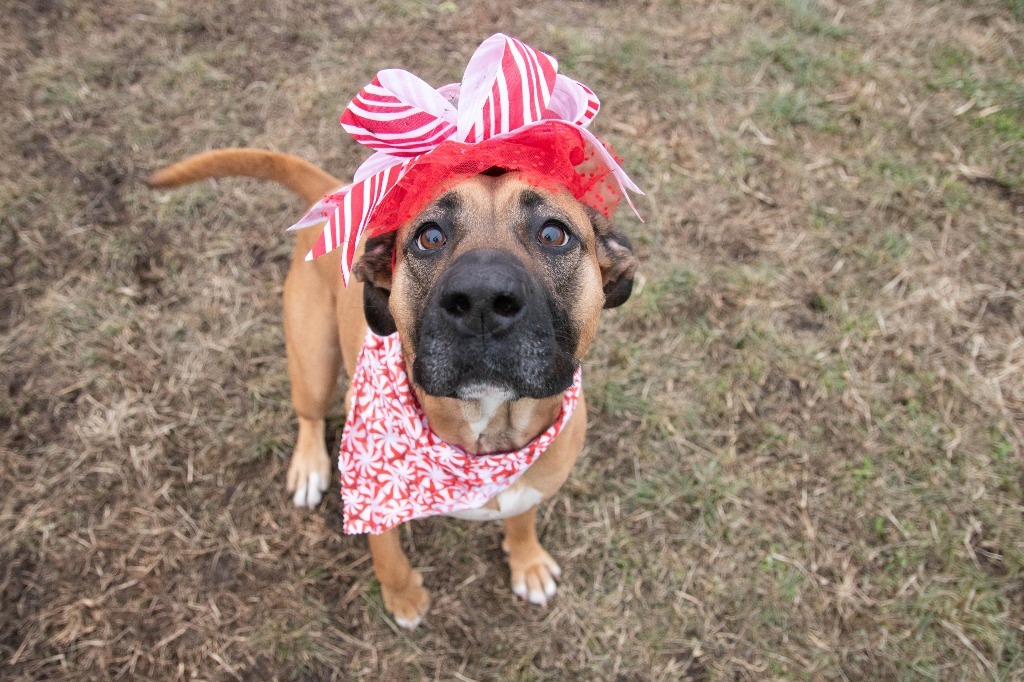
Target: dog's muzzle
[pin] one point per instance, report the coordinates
(490, 326)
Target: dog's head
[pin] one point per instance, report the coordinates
(497, 286)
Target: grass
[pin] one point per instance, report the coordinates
(804, 454)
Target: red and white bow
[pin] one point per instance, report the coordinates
(508, 86)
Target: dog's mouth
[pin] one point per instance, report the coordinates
(489, 327)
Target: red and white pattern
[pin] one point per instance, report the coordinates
(507, 85)
(394, 468)
(399, 114)
(507, 88)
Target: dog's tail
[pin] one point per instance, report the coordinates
(301, 177)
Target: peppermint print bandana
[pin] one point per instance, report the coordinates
(394, 468)
(512, 111)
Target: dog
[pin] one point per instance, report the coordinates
(518, 257)
(490, 256)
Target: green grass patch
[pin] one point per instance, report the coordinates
(795, 59)
(786, 108)
(634, 59)
(808, 16)
(954, 70)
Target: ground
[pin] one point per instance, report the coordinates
(804, 459)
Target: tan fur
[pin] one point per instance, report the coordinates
(298, 175)
(324, 328)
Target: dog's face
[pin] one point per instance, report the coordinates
(497, 288)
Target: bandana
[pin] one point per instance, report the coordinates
(394, 468)
(511, 111)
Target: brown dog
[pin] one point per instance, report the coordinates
(490, 228)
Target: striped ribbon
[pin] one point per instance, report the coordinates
(507, 87)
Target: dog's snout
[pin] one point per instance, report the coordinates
(490, 321)
(485, 292)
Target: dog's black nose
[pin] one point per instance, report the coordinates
(484, 292)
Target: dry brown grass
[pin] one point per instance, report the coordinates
(805, 453)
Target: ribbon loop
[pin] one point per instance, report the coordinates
(573, 101)
(507, 85)
(400, 115)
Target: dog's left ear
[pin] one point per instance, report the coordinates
(374, 271)
(615, 256)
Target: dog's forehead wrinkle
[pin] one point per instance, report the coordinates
(447, 206)
(450, 201)
(537, 206)
(530, 199)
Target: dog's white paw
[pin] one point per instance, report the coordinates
(311, 492)
(409, 623)
(308, 483)
(309, 473)
(534, 575)
(409, 603)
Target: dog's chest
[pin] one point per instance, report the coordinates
(512, 502)
(492, 424)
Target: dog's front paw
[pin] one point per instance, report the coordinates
(407, 604)
(309, 474)
(534, 573)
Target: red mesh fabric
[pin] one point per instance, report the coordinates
(551, 155)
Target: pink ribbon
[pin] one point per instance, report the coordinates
(508, 86)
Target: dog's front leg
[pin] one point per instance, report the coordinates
(314, 360)
(533, 570)
(400, 585)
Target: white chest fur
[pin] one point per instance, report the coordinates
(512, 502)
(480, 402)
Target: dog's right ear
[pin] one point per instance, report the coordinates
(374, 271)
(615, 256)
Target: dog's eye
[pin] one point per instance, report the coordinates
(431, 237)
(553, 233)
